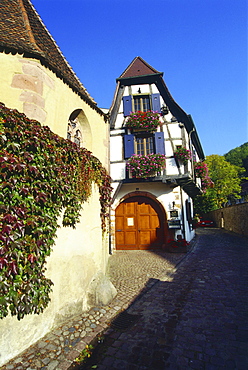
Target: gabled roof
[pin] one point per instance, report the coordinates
(138, 67)
(22, 31)
(140, 72)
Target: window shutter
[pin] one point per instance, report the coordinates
(156, 103)
(159, 142)
(128, 146)
(127, 105)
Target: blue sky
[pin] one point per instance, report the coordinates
(200, 45)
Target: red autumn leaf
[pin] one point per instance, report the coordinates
(3, 263)
(32, 258)
(13, 267)
(6, 229)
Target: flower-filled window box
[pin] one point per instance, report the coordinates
(182, 154)
(145, 121)
(144, 166)
(201, 171)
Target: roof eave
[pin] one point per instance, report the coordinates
(130, 80)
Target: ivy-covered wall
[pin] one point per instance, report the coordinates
(42, 175)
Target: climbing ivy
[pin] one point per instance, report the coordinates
(41, 175)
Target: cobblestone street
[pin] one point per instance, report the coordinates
(177, 311)
(196, 319)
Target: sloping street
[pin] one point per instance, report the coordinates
(174, 311)
(196, 319)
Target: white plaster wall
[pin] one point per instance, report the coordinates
(116, 144)
(171, 167)
(118, 171)
(144, 89)
(175, 130)
(155, 90)
(120, 119)
(161, 191)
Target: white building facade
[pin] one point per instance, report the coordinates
(149, 210)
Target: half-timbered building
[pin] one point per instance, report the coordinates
(151, 164)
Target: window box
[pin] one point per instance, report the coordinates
(144, 121)
(201, 171)
(144, 166)
(182, 154)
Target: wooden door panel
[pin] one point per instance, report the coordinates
(130, 237)
(144, 208)
(139, 224)
(145, 238)
(119, 222)
(120, 209)
(154, 221)
(130, 208)
(144, 222)
(120, 238)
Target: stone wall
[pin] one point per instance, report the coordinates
(233, 218)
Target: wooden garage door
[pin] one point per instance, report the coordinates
(138, 224)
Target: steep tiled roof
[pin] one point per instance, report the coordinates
(138, 67)
(22, 31)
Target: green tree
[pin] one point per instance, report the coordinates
(226, 185)
(239, 157)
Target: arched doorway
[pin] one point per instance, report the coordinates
(140, 223)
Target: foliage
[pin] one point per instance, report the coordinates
(182, 154)
(226, 185)
(85, 354)
(144, 166)
(239, 157)
(201, 171)
(149, 121)
(204, 203)
(226, 179)
(42, 175)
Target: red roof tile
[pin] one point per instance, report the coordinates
(138, 67)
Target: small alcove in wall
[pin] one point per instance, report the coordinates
(78, 129)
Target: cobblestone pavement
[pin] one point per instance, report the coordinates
(130, 272)
(196, 319)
